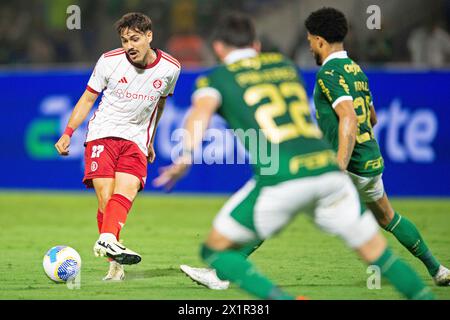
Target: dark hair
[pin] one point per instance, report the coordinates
(235, 29)
(135, 21)
(327, 23)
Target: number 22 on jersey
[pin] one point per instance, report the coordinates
(277, 106)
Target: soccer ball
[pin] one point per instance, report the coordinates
(62, 263)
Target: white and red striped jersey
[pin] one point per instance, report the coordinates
(130, 95)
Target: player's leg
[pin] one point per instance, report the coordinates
(99, 159)
(208, 277)
(104, 188)
(116, 211)
(126, 188)
(223, 255)
(376, 252)
(251, 215)
(130, 177)
(372, 193)
(339, 212)
(100, 162)
(409, 236)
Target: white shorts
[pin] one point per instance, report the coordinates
(370, 189)
(259, 212)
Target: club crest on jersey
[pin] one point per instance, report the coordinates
(157, 84)
(94, 166)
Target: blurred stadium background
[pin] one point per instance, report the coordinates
(44, 68)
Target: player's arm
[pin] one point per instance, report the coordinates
(197, 122)
(79, 114)
(373, 116)
(348, 126)
(159, 111)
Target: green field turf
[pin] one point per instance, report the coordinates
(167, 231)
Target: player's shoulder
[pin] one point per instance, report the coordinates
(110, 58)
(211, 76)
(325, 70)
(169, 59)
(332, 69)
(113, 53)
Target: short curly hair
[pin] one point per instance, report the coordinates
(328, 23)
(134, 21)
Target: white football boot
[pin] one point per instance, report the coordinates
(108, 246)
(205, 277)
(115, 273)
(442, 277)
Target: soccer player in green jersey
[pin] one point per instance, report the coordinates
(261, 97)
(345, 113)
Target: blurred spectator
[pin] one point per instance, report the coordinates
(352, 45)
(267, 45)
(429, 45)
(302, 54)
(379, 47)
(189, 49)
(35, 31)
(183, 16)
(40, 50)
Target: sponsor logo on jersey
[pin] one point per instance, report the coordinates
(123, 80)
(125, 94)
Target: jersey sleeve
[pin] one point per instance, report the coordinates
(333, 86)
(98, 80)
(204, 86)
(170, 89)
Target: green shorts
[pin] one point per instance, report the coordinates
(258, 212)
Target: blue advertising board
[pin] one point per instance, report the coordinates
(412, 129)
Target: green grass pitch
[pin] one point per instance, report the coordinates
(167, 231)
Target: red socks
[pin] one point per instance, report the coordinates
(99, 220)
(115, 215)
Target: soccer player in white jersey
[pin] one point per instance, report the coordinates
(135, 81)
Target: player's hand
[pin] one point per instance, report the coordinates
(168, 176)
(151, 154)
(63, 145)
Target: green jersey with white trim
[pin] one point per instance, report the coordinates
(264, 101)
(339, 79)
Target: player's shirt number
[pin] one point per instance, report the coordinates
(363, 114)
(97, 150)
(277, 106)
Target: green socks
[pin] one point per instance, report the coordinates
(234, 266)
(408, 235)
(248, 249)
(402, 277)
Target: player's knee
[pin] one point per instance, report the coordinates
(129, 191)
(383, 221)
(373, 248)
(102, 205)
(103, 201)
(383, 218)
